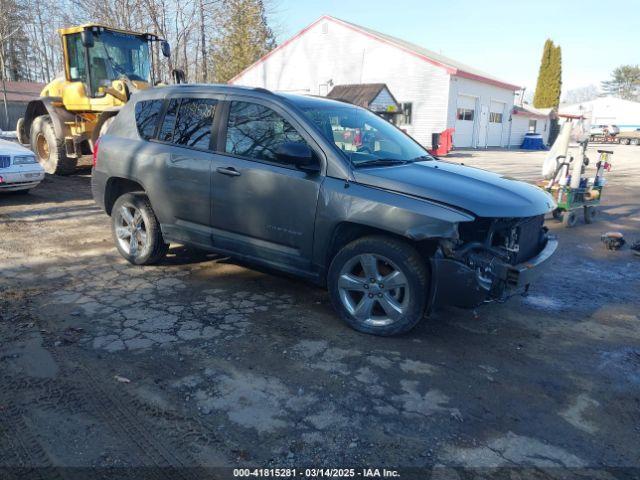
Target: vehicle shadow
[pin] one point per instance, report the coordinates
(181, 255)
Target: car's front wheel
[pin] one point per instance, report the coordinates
(136, 230)
(379, 285)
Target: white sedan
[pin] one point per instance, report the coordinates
(19, 169)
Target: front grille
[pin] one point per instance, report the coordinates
(530, 238)
(5, 161)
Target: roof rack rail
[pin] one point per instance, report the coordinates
(260, 89)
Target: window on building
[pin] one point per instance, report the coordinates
(147, 114)
(495, 117)
(465, 114)
(255, 131)
(168, 124)
(532, 126)
(406, 115)
(194, 122)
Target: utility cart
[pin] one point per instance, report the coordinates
(586, 197)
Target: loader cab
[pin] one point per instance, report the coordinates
(98, 56)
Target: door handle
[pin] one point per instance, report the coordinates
(232, 172)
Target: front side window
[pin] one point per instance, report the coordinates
(362, 136)
(194, 122)
(255, 131)
(147, 115)
(77, 59)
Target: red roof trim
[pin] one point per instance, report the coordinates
(447, 68)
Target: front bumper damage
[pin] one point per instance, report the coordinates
(457, 284)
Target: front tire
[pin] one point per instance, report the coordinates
(378, 285)
(136, 230)
(49, 150)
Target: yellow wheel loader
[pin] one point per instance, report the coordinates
(102, 67)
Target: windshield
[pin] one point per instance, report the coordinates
(116, 55)
(364, 137)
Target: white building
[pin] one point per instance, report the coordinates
(526, 119)
(607, 111)
(435, 92)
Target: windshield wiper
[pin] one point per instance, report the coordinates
(423, 158)
(381, 162)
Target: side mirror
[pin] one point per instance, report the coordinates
(166, 48)
(87, 38)
(298, 154)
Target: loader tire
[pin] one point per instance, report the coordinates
(20, 133)
(50, 150)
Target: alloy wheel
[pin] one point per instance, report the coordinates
(373, 289)
(131, 230)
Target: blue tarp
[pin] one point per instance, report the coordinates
(533, 141)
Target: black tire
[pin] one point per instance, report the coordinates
(590, 214)
(569, 218)
(406, 259)
(49, 150)
(155, 248)
(635, 141)
(624, 141)
(21, 134)
(557, 214)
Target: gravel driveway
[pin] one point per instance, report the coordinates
(202, 362)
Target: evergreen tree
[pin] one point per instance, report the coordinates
(245, 37)
(624, 83)
(549, 84)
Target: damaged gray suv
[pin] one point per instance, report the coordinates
(320, 189)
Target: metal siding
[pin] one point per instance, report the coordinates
(345, 56)
(485, 94)
(382, 101)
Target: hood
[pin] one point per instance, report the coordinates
(12, 148)
(483, 193)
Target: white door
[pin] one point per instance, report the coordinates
(496, 123)
(482, 126)
(465, 121)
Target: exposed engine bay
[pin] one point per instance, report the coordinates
(487, 248)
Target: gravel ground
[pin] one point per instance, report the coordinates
(204, 362)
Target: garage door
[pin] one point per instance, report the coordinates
(465, 120)
(496, 123)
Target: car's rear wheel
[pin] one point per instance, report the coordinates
(378, 285)
(136, 230)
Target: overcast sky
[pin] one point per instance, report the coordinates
(502, 37)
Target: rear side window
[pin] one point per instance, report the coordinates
(194, 122)
(256, 131)
(147, 114)
(169, 122)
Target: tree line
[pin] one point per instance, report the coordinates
(211, 40)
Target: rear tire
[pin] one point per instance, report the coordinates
(635, 141)
(590, 214)
(356, 282)
(624, 141)
(49, 150)
(136, 230)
